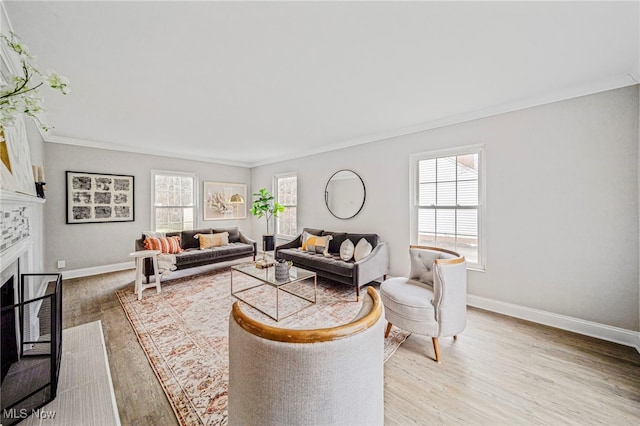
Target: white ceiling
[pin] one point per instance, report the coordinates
(249, 83)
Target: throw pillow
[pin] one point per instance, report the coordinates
(213, 240)
(317, 244)
(154, 234)
(234, 233)
(346, 250)
(305, 237)
(362, 250)
(165, 245)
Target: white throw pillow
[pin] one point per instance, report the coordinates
(154, 234)
(362, 250)
(346, 250)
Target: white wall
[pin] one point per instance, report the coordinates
(562, 213)
(94, 245)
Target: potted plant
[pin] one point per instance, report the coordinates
(265, 206)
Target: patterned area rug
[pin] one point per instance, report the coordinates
(184, 332)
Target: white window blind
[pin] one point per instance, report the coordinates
(448, 203)
(173, 201)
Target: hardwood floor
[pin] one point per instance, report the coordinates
(500, 370)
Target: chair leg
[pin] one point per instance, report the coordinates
(388, 330)
(436, 348)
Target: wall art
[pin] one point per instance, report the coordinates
(95, 197)
(224, 201)
(16, 173)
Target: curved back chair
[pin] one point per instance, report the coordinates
(325, 376)
(432, 301)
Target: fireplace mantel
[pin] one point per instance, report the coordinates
(16, 198)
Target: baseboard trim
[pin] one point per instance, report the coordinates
(576, 325)
(96, 270)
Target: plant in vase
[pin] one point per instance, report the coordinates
(265, 206)
(19, 93)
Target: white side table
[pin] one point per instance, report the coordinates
(140, 256)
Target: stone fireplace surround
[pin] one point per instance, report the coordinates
(17, 248)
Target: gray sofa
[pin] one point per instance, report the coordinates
(239, 246)
(357, 274)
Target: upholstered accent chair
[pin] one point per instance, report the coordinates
(325, 376)
(432, 301)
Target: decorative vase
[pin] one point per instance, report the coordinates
(282, 270)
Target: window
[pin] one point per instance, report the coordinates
(173, 201)
(286, 193)
(448, 202)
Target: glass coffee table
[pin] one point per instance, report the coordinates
(259, 295)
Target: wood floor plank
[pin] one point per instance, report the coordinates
(500, 370)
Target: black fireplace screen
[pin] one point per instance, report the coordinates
(33, 329)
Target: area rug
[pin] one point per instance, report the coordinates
(184, 332)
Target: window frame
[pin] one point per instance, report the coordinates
(275, 196)
(414, 184)
(196, 199)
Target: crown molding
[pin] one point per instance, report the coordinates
(615, 82)
(48, 137)
(604, 85)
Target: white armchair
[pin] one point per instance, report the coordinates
(433, 300)
(324, 376)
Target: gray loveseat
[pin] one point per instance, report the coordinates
(357, 274)
(239, 246)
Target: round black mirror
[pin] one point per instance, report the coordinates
(344, 194)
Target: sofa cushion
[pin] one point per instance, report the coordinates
(422, 265)
(409, 299)
(200, 256)
(234, 233)
(338, 238)
(315, 261)
(188, 240)
(371, 238)
(312, 231)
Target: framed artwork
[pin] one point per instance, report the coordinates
(224, 201)
(95, 198)
(15, 166)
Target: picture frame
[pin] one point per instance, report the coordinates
(221, 202)
(16, 172)
(99, 197)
